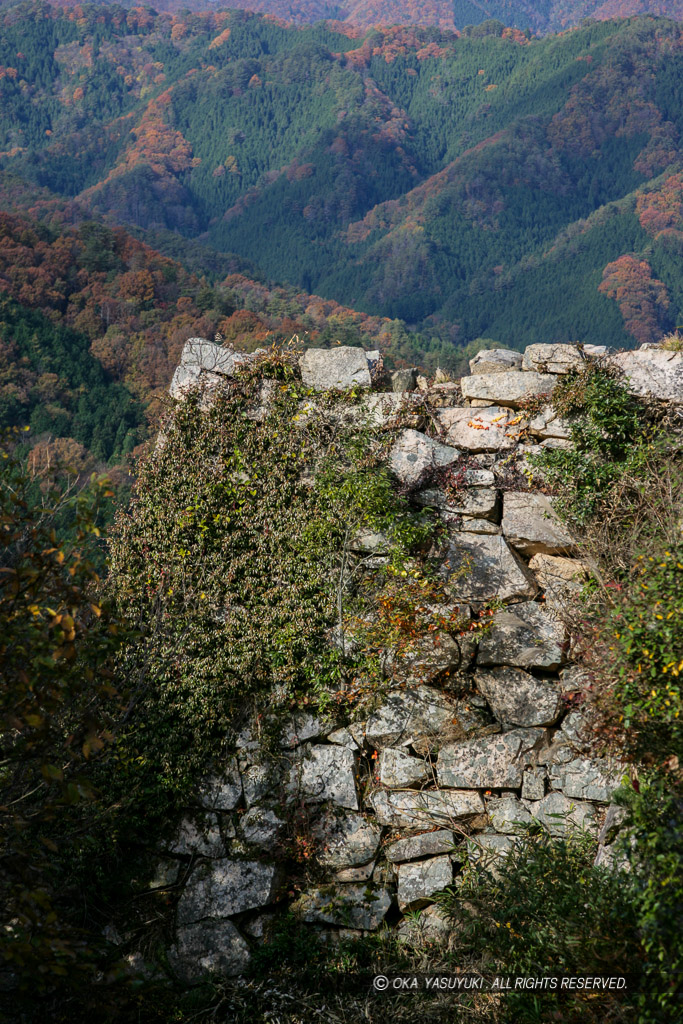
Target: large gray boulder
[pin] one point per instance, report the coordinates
(204, 364)
(481, 430)
(261, 827)
(584, 779)
(518, 698)
(510, 389)
(349, 906)
(508, 815)
(559, 814)
(430, 927)
(553, 358)
(653, 371)
(404, 380)
(491, 762)
(532, 526)
(260, 782)
(524, 636)
(226, 887)
(222, 792)
(398, 770)
(209, 947)
(407, 715)
(414, 455)
(324, 773)
(479, 567)
(301, 727)
(417, 882)
(421, 810)
(496, 360)
(487, 851)
(435, 655)
(345, 839)
(335, 368)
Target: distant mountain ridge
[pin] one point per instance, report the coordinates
(540, 16)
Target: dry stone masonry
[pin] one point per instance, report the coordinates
(395, 802)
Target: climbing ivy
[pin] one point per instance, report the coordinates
(234, 562)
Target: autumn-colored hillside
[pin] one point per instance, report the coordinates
(92, 323)
(540, 18)
(481, 184)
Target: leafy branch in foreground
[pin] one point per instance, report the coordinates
(59, 700)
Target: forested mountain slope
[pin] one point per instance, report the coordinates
(92, 323)
(540, 16)
(480, 185)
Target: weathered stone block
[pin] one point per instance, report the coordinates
(352, 906)
(585, 779)
(202, 838)
(517, 698)
(525, 636)
(417, 882)
(260, 782)
(479, 567)
(548, 423)
(223, 888)
(508, 816)
(438, 653)
(427, 844)
(427, 808)
(222, 792)
(415, 454)
(261, 826)
(561, 579)
(343, 738)
(558, 813)
(345, 839)
(301, 727)
(553, 358)
(335, 368)
(477, 502)
(487, 850)
(209, 947)
(203, 363)
(532, 526)
(325, 773)
(397, 770)
(492, 762)
(508, 389)
(487, 430)
(409, 714)
(533, 784)
(614, 819)
(656, 372)
(431, 927)
(496, 360)
(404, 380)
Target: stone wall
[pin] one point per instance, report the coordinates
(470, 739)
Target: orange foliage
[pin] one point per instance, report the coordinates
(220, 39)
(662, 208)
(642, 299)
